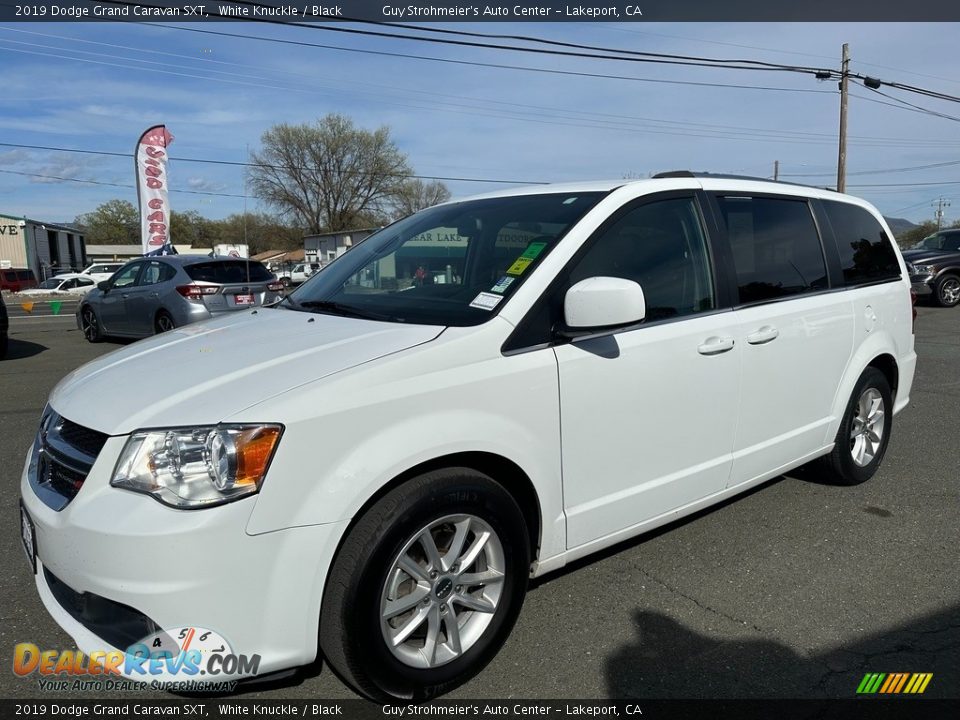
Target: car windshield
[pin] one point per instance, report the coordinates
(51, 284)
(448, 265)
(939, 241)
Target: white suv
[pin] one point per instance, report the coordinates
(606, 358)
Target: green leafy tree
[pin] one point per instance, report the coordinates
(328, 176)
(261, 232)
(191, 228)
(115, 222)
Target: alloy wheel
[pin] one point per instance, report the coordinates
(88, 324)
(442, 591)
(866, 432)
(950, 291)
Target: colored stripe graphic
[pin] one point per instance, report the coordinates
(894, 683)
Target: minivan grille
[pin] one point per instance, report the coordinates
(63, 454)
(84, 439)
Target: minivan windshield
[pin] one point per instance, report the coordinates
(452, 264)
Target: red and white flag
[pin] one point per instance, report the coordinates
(152, 184)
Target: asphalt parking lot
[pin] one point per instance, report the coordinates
(795, 590)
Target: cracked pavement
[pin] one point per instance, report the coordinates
(794, 590)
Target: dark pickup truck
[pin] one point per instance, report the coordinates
(934, 265)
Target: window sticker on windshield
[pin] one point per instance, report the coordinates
(502, 284)
(486, 301)
(529, 255)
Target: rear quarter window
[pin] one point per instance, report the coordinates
(866, 252)
(228, 273)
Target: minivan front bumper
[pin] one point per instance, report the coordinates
(111, 551)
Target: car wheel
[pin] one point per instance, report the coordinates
(90, 325)
(947, 291)
(285, 281)
(4, 344)
(163, 323)
(426, 586)
(864, 431)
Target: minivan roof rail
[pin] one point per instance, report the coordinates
(727, 176)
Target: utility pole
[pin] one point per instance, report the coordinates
(842, 157)
(776, 170)
(940, 205)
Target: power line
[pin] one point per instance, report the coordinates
(476, 63)
(878, 172)
(110, 184)
(236, 163)
(635, 56)
(916, 107)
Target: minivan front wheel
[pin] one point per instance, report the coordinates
(864, 432)
(426, 586)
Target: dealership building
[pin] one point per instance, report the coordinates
(46, 248)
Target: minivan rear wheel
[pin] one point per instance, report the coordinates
(426, 586)
(864, 432)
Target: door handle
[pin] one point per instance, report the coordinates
(764, 335)
(715, 345)
(124, 295)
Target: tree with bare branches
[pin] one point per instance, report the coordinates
(329, 176)
(415, 194)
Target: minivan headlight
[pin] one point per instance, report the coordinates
(197, 467)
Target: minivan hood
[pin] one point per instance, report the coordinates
(204, 373)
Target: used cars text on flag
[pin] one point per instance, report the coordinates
(152, 190)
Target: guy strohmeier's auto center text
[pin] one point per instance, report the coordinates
(518, 11)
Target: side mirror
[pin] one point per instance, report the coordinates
(603, 303)
(103, 285)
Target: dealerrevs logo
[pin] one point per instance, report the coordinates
(187, 658)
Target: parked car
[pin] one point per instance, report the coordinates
(69, 284)
(98, 271)
(609, 357)
(4, 329)
(296, 275)
(934, 265)
(154, 295)
(16, 280)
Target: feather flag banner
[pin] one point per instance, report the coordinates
(152, 190)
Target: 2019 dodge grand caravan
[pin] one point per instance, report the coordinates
(605, 358)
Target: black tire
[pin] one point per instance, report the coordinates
(163, 322)
(350, 625)
(946, 292)
(285, 281)
(839, 466)
(4, 344)
(90, 324)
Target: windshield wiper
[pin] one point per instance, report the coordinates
(336, 308)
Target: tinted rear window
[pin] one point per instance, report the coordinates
(25, 274)
(776, 247)
(228, 272)
(866, 253)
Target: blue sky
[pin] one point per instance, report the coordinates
(97, 86)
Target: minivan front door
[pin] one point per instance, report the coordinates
(648, 415)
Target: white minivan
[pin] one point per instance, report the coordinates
(607, 357)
